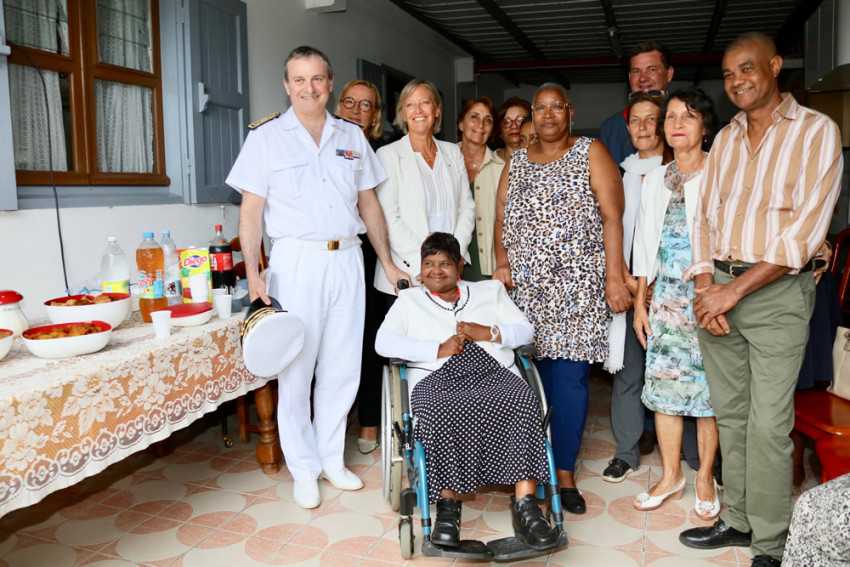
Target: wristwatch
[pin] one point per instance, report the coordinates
(494, 333)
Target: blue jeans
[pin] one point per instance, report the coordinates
(565, 383)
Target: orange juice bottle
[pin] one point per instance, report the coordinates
(150, 263)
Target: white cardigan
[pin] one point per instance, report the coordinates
(402, 197)
(416, 325)
(654, 198)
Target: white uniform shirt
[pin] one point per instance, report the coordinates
(311, 192)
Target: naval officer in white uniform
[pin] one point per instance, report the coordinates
(311, 177)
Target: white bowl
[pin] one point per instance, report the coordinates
(5, 342)
(190, 314)
(113, 312)
(66, 347)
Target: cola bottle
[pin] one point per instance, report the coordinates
(221, 262)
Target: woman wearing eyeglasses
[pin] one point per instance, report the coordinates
(360, 103)
(475, 122)
(427, 188)
(559, 248)
(510, 116)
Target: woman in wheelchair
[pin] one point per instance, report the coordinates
(476, 417)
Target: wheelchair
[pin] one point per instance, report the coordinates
(400, 454)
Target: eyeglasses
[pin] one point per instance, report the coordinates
(507, 122)
(557, 107)
(349, 102)
(653, 93)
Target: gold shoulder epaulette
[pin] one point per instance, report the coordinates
(346, 120)
(262, 121)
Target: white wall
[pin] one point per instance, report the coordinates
(372, 29)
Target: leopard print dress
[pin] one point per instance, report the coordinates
(553, 234)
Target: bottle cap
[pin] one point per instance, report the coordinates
(147, 235)
(218, 227)
(111, 239)
(166, 234)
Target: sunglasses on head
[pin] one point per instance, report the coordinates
(652, 93)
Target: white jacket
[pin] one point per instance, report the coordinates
(654, 198)
(402, 197)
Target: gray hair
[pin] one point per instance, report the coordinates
(304, 52)
(552, 87)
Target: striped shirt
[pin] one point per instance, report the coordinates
(771, 204)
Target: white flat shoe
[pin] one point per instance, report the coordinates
(644, 502)
(343, 479)
(306, 493)
(705, 509)
(366, 446)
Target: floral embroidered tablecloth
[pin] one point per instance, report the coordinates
(64, 420)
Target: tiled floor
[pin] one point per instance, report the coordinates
(205, 505)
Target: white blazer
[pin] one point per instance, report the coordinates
(654, 197)
(402, 197)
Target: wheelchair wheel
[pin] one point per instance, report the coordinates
(405, 537)
(532, 378)
(392, 463)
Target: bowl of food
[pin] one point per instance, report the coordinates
(6, 337)
(109, 307)
(64, 340)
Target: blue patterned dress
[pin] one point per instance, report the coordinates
(675, 376)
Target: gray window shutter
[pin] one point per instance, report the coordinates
(219, 93)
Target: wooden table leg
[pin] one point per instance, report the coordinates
(268, 449)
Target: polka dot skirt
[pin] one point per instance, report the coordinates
(479, 423)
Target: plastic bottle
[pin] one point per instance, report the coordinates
(221, 261)
(171, 263)
(149, 261)
(114, 268)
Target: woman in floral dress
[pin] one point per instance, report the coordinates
(675, 383)
(559, 248)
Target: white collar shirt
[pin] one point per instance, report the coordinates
(311, 192)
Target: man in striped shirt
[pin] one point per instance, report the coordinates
(771, 183)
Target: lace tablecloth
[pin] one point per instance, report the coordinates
(64, 420)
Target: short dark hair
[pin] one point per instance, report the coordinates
(470, 102)
(302, 53)
(752, 37)
(696, 100)
(441, 243)
(503, 110)
(648, 46)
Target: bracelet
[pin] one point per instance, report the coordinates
(494, 333)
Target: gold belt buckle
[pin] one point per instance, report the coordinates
(333, 244)
(736, 270)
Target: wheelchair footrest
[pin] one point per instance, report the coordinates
(514, 548)
(469, 549)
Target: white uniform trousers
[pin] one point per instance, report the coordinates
(326, 290)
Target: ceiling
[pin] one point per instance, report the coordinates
(586, 41)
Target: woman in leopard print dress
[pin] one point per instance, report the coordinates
(559, 238)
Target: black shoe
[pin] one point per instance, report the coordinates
(717, 473)
(573, 501)
(720, 534)
(446, 530)
(530, 525)
(647, 442)
(765, 561)
(617, 470)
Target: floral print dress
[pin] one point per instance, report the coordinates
(675, 376)
(553, 234)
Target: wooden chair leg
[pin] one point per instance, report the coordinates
(242, 418)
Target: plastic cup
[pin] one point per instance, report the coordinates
(222, 304)
(161, 323)
(199, 286)
(219, 291)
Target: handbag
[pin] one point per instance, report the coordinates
(841, 364)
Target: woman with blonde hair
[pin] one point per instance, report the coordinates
(360, 102)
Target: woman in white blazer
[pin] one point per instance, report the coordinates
(675, 384)
(427, 189)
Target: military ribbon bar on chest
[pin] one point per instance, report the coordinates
(348, 154)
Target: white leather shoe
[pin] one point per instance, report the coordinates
(644, 502)
(343, 479)
(705, 509)
(306, 493)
